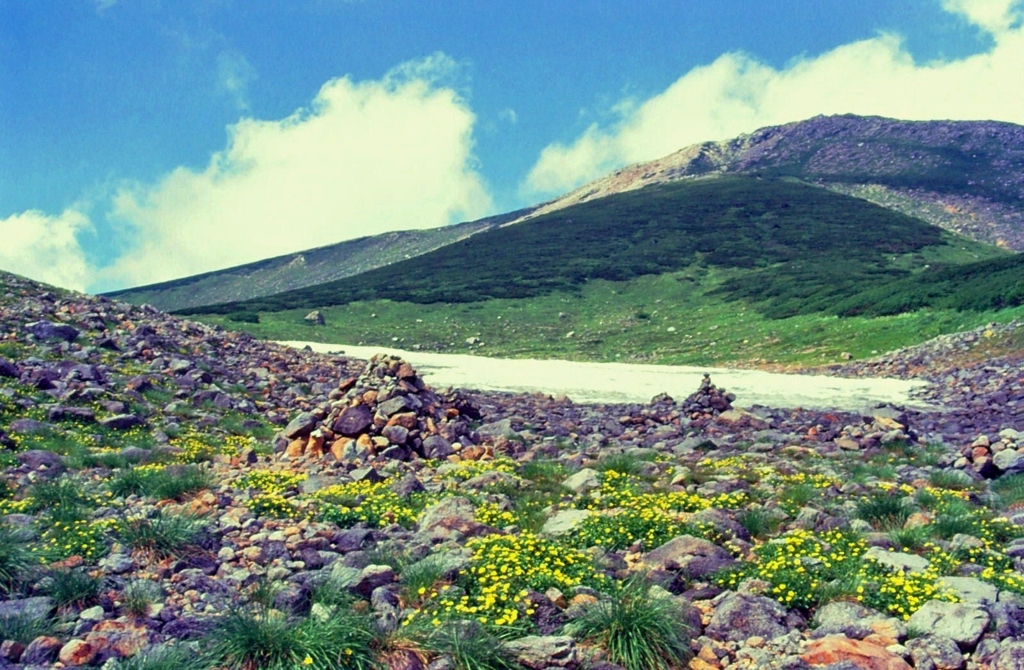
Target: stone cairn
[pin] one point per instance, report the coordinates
(387, 412)
(707, 401)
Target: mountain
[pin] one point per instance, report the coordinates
(805, 247)
(964, 176)
(305, 268)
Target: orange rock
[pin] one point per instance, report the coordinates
(865, 655)
(369, 397)
(121, 637)
(77, 652)
(295, 448)
(472, 453)
(404, 419)
(451, 413)
(315, 445)
(582, 599)
(406, 371)
(364, 442)
(697, 663)
(978, 452)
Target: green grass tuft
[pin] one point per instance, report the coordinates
(638, 630)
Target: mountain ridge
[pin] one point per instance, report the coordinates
(963, 176)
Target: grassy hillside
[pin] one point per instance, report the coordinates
(733, 270)
(673, 318)
(841, 245)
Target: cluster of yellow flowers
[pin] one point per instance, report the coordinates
(502, 569)
(494, 515)
(270, 481)
(364, 501)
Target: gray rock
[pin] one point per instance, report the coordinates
(37, 459)
(738, 617)
(121, 421)
(395, 434)
(961, 622)
(693, 555)
(971, 589)
(539, 652)
(301, 426)
(372, 577)
(898, 560)
(565, 521)
(585, 480)
(30, 608)
(393, 406)
(29, 426)
(935, 653)
(1009, 461)
(437, 447)
(852, 619)
(366, 474)
(8, 368)
(48, 330)
(1010, 656)
(41, 651)
(92, 614)
(117, 564)
(502, 428)
(352, 421)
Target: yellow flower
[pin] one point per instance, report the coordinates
(308, 660)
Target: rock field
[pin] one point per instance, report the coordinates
(177, 495)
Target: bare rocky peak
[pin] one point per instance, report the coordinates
(964, 176)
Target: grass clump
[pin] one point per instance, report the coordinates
(162, 534)
(24, 628)
(164, 657)
(467, 644)
(638, 630)
(71, 587)
(15, 558)
(139, 595)
(160, 481)
(258, 638)
(1010, 489)
(885, 511)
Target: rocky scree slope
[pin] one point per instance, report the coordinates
(964, 176)
(171, 488)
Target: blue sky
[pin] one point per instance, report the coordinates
(142, 140)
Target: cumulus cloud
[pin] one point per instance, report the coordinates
(45, 247)
(737, 93)
(365, 157)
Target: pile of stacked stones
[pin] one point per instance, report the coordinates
(387, 413)
(994, 458)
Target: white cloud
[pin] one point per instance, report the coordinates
(993, 16)
(736, 94)
(364, 158)
(45, 248)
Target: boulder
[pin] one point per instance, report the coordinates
(964, 623)
(836, 649)
(935, 653)
(740, 616)
(538, 652)
(585, 480)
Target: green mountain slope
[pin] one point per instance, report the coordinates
(835, 245)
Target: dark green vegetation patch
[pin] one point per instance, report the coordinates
(805, 249)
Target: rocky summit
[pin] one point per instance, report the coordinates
(175, 494)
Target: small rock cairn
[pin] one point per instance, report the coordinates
(387, 412)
